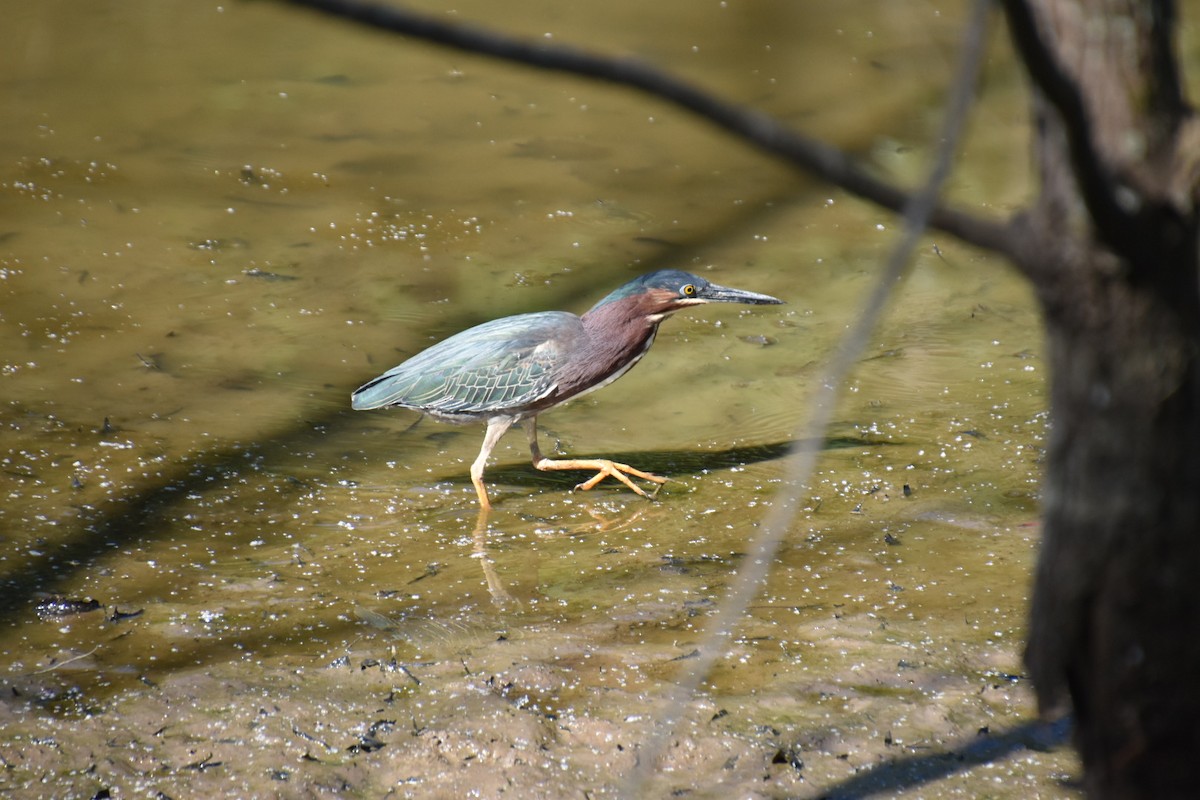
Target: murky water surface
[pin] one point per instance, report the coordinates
(218, 220)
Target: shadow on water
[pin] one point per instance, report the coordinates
(667, 463)
(143, 516)
(904, 774)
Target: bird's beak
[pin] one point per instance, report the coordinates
(712, 293)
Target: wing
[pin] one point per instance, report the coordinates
(503, 365)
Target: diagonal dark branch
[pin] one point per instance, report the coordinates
(1169, 99)
(764, 131)
(1138, 221)
(1097, 185)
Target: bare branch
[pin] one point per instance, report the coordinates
(1097, 184)
(1168, 91)
(760, 129)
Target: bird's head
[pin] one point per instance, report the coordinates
(656, 295)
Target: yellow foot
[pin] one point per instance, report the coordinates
(604, 469)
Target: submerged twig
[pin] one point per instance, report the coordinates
(58, 664)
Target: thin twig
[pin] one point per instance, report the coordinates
(760, 129)
(59, 664)
(810, 435)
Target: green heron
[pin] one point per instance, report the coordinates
(512, 369)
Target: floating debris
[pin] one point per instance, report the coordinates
(118, 615)
(262, 274)
(57, 606)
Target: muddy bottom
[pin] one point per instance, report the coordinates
(538, 715)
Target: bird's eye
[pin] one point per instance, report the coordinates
(688, 291)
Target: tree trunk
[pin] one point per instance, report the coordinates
(1116, 601)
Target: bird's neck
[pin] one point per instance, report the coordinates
(615, 338)
(619, 331)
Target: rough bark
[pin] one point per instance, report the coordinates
(1111, 246)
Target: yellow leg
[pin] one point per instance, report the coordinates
(496, 427)
(604, 467)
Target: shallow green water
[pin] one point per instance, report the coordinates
(220, 219)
